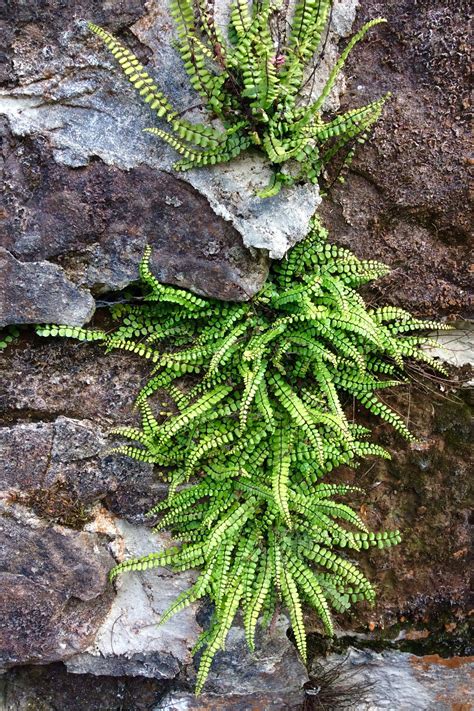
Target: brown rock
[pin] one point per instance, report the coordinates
(50, 688)
(43, 378)
(97, 219)
(54, 590)
(421, 582)
(406, 199)
(61, 469)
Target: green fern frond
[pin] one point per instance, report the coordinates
(253, 424)
(280, 444)
(81, 334)
(254, 85)
(290, 595)
(136, 74)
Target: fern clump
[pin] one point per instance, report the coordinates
(257, 422)
(253, 84)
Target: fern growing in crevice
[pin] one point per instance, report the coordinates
(259, 392)
(8, 334)
(253, 84)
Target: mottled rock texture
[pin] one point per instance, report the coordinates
(393, 680)
(95, 221)
(86, 188)
(40, 292)
(128, 643)
(73, 455)
(422, 585)
(54, 589)
(406, 199)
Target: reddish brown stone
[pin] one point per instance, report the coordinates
(406, 199)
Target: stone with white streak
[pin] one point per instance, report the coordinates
(86, 187)
(129, 642)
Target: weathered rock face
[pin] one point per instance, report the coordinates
(54, 590)
(40, 292)
(128, 642)
(423, 491)
(87, 189)
(393, 680)
(272, 677)
(95, 221)
(73, 455)
(422, 585)
(42, 379)
(406, 198)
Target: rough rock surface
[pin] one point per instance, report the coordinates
(456, 346)
(406, 198)
(95, 221)
(422, 603)
(65, 92)
(128, 642)
(54, 589)
(74, 455)
(424, 491)
(394, 680)
(40, 292)
(272, 676)
(85, 186)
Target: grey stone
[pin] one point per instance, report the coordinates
(272, 677)
(273, 224)
(25, 451)
(186, 701)
(40, 292)
(97, 221)
(47, 378)
(404, 202)
(274, 668)
(83, 189)
(75, 454)
(129, 641)
(396, 680)
(455, 347)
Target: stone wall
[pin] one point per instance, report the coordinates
(85, 190)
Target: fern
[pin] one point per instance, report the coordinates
(8, 335)
(253, 82)
(259, 426)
